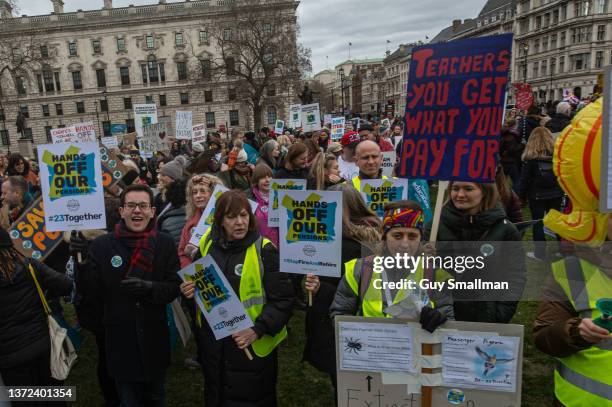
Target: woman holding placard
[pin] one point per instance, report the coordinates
(251, 265)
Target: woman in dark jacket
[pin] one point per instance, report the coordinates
(360, 235)
(24, 331)
(561, 119)
(230, 378)
(539, 186)
(172, 218)
(510, 150)
(473, 223)
(528, 123)
(296, 163)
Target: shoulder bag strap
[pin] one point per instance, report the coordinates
(40, 291)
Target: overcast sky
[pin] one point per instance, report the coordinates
(327, 26)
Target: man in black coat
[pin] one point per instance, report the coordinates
(133, 272)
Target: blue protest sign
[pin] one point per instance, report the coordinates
(454, 109)
(118, 128)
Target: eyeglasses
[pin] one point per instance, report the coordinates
(133, 205)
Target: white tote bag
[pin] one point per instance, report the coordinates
(63, 354)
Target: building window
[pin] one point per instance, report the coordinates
(101, 78)
(178, 38)
(2, 115)
(205, 66)
(563, 12)
(120, 44)
(601, 32)
(601, 6)
(555, 18)
(561, 64)
(72, 48)
(39, 81)
(130, 125)
(162, 100)
(181, 69)
(271, 115)
(543, 67)
(104, 105)
(553, 42)
(581, 34)
(48, 80)
(25, 111)
(48, 133)
(227, 34)
(546, 19)
(538, 22)
(536, 46)
(80, 107)
(150, 42)
(579, 62)
(598, 59)
(267, 28)
(58, 85)
(124, 72)
(231, 93)
(77, 82)
(230, 66)
(562, 39)
(582, 8)
(536, 66)
(4, 136)
(97, 46)
(127, 103)
(153, 72)
(203, 36)
(234, 118)
(553, 66)
(44, 51)
(149, 99)
(27, 133)
(21, 90)
(45, 110)
(106, 128)
(208, 96)
(544, 44)
(184, 98)
(210, 120)
(59, 110)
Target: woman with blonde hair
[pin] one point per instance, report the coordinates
(538, 185)
(324, 172)
(361, 233)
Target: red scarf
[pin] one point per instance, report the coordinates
(142, 245)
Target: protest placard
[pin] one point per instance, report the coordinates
(311, 117)
(388, 162)
(279, 127)
(118, 128)
(208, 215)
(198, 133)
(427, 386)
(184, 125)
(280, 185)
(454, 109)
(113, 170)
(110, 141)
(523, 96)
(30, 235)
(295, 116)
(337, 128)
(72, 189)
(77, 133)
(327, 118)
(418, 191)
(144, 114)
(216, 298)
(310, 232)
(154, 139)
(379, 192)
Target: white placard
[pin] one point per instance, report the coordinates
(154, 139)
(337, 128)
(376, 347)
(279, 127)
(480, 362)
(379, 192)
(144, 114)
(311, 117)
(310, 232)
(184, 125)
(77, 133)
(327, 118)
(279, 185)
(295, 116)
(72, 189)
(198, 134)
(397, 140)
(216, 298)
(110, 142)
(208, 215)
(388, 162)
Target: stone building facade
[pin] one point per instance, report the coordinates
(102, 62)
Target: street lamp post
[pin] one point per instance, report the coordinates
(342, 87)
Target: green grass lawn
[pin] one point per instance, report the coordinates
(301, 385)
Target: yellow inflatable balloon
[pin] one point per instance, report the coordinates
(576, 163)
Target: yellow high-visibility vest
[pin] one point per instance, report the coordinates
(357, 181)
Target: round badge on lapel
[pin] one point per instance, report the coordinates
(264, 208)
(116, 261)
(238, 270)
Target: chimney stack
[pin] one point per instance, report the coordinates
(456, 25)
(6, 11)
(108, 4)
(58, 6)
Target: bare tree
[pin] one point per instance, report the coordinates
(256, 48)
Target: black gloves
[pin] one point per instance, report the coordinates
(78, 245)
(431, 319)
(136, 286)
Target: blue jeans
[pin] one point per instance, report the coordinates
(142, 394)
